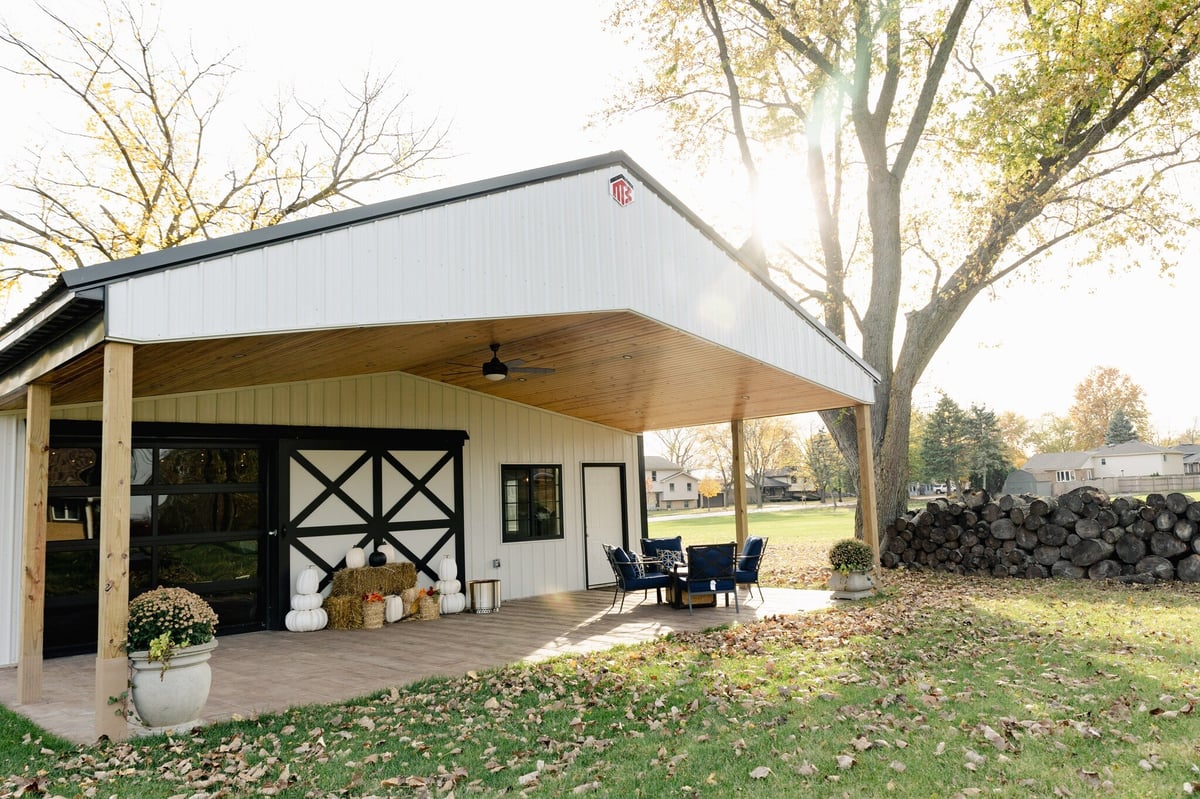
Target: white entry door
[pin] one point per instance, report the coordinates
(604, 517)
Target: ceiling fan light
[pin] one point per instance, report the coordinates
(495, 370)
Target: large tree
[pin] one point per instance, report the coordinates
(916, 441)
(1051, 433)
(1098, 397)
(145, 169)
(683, 445)
(949, 147)
(822, 462)
(986, 461)
(945, 447)
(1120, 429)
(1189, 436)
(768, 445)
(716, 451)
(1015, 430)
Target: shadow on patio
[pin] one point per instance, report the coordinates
(271, 671)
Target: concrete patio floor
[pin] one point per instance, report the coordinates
(271, 671)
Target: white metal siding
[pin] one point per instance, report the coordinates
(561, 246)
(500, 432)
(1142, 464)
(12, 489)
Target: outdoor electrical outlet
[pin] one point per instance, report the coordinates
(496, 563)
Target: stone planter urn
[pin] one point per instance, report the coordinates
(171, 699)
(851, 585)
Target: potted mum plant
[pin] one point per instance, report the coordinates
(170, 640)
(852, 561)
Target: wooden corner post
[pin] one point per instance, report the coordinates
(112, 662)
(33, 550)
(866, 480)
(740, 519)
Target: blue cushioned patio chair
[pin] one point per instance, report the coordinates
(710, 570)
(627, 578)
(652, 546)
(749, 563)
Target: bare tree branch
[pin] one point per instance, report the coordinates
(140, 173)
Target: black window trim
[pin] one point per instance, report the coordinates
(530, 468)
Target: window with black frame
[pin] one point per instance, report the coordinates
(531, 499)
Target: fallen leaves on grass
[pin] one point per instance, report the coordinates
(547, 729)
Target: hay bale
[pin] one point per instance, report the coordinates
(345, 612)
(390, 578)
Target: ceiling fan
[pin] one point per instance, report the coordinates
(497, 370)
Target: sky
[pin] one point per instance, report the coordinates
(522, 84)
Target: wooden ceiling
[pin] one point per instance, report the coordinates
(616, 369)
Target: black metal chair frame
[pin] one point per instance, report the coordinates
(658, 581)
(699, 577)
(757, 566)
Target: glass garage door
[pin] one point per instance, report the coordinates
(197, 520)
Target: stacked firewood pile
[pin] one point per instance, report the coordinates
(1081, 534)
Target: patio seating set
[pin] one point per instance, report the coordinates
(693, 576)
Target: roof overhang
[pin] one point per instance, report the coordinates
(708, 340)
(616, 369)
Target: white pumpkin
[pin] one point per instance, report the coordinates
(309, 580)
(389, 552)
(306, 601)
(453, 603)
(304, 621)
(448, 586)
(447, 568)
(393, 610)
(356, 558)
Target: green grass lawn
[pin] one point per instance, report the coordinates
(820, 525)
(940, 687)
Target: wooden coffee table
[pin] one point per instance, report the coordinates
(679, 597)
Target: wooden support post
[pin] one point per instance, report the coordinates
(112, 663)
(866, 480)
(33, 557)
(740, 519)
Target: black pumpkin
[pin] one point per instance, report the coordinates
(377, 558)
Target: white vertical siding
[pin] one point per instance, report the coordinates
(560, 246)
(500, 432)
(12, 489)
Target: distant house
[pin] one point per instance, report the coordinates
(1191, 457)
(668, 486)
(1137, 458)
(1060, 467)
(1130, 467)
(777, 485)
(785, 485)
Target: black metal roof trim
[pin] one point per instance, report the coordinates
(75, 313)
(52, 292)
